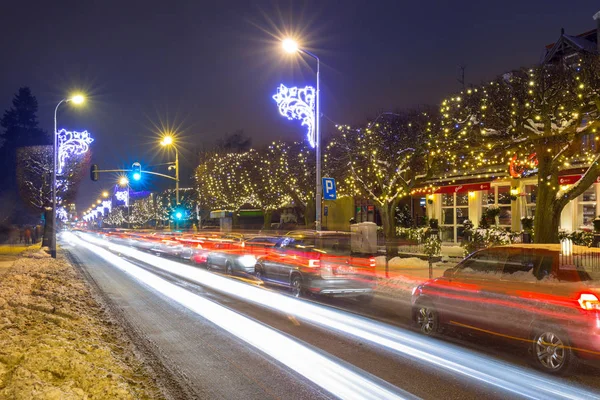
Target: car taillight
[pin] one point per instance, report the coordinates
(589, 302)
(372, 262)
(199, 246)
(314, 263)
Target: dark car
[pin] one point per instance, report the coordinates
(539, 295)
(319, 263)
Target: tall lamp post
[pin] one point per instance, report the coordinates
(291, 46)
(77, 99)
(168, 141)
(124, 183)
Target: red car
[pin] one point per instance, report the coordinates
(539, 295)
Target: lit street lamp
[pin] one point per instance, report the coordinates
(105, 194)
(124, 182)
(77, 99)
(168, 141)
(291, 46)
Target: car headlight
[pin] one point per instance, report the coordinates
(247, 261)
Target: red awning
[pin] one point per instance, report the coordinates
(571, 179)
(469, 187)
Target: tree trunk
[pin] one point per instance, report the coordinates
(268, 217)
(47, 228)
(388, 219)
(547, 209)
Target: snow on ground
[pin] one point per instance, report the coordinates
(56, 342)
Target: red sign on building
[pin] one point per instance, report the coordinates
(468, 187)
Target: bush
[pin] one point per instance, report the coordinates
(415, 234)
(432, 246)
(579, 238)
(487, 237)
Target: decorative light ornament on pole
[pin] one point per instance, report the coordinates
(303, 104)
(74, 145)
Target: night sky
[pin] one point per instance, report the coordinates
(208, 68)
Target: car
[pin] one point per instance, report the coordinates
(545, 296)
(196, 247)
(318, 263)
(227, 255)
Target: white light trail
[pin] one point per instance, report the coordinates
(502, 375)
(323, 371)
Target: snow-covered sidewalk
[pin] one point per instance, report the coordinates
(56, 341)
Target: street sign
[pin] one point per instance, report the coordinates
(329, 192)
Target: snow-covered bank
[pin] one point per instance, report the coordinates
(56, 342)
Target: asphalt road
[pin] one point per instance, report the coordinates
(200, 358)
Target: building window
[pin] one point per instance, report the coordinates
(499, 196)
(455, 210)
(587, 208)
(530, 200)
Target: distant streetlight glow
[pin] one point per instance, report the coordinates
(105, 194)
(168, 141)
(123, 181)
(290, 45)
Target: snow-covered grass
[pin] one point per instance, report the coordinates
(56, 342)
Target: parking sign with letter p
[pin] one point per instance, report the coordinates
(329, 192)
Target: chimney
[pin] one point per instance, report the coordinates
(597, 18)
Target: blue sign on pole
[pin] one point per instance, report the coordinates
(329, 192)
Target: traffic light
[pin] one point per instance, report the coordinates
(137, 171)
(94, 172)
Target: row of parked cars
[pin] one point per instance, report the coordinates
(305, 262)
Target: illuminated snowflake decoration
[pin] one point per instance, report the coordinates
(62, 214)
(71, 144)
(107, 204)
(100, 209)
(123, 195)
(299, 104)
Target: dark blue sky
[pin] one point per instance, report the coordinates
(210, 67)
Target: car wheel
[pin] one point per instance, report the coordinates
(551, 351)
(296, 288)
(427, 319)
(228, 270)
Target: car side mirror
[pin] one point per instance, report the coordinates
(449, 273)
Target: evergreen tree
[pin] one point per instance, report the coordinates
(20, 128)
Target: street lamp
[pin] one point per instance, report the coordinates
(105, 194)
(291, 46)
(76, 99)
(168, 141)
(124, 182)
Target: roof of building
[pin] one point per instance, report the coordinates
(568, 45)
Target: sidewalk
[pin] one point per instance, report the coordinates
(56, 342)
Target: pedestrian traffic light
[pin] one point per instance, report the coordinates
(137, 171)
(94, 172)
